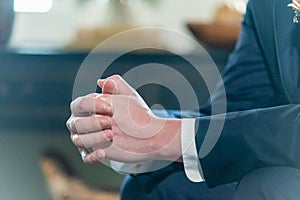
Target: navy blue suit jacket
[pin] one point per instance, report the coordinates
(262, 127)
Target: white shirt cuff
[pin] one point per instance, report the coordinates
(191, 163)
(131, 168)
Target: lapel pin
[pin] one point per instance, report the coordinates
(296, 12)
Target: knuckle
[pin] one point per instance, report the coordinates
(102, 97)
(103, 121)
(72, 105)
(78, 142)
(81, 103)
(94, 95)
(116, 77)
(102, 104)
(84, 103)
(76, 124)
(68, 123)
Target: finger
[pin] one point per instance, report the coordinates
(115, 85)
(109, 86)
(88, 124)
(115, 153)
(94, 157)
(83, 152)
(89, 104)
(74, 137)
(296, 4)
(100, 83)
(80, 106)
(101, 139)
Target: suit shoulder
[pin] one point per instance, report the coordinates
(262, 10)
(262, 5)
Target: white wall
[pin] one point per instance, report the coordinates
(58, 26)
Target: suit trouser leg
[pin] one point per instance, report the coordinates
(171, 183)
(272, 183)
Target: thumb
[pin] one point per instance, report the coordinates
(115, 85)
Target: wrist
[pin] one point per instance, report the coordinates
(168, 140)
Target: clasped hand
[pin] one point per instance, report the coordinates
(118, 125)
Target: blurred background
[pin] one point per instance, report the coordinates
(78, 23)
(42, 45)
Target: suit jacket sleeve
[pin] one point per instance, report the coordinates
(259, 130)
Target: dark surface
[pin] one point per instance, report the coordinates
(36, 88)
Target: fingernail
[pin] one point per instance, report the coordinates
(105, 123)
(100, 82)
(109, 135)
